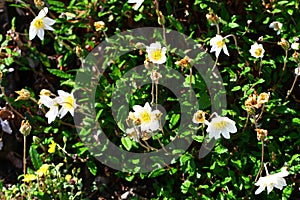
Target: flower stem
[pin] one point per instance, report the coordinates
(290, 91)
(262, 161)
(24, 155)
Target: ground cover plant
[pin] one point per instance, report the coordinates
(145, 99)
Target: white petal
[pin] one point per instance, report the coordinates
(48, 21)
(270, 188)
(226, 134)
(260, 189)
(62, 112)
(43, 13)
(225, 50)
(32, 32)
(40, 33)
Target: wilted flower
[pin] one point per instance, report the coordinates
(67, 101)
(221, 125)
(263, 98)
(261, 133)
(257, 50)
(277, 26)
(155, 76)
(23, 95)
(39, 3)
(199, 117)
(25, 128)
(296, 57)
(39, 24)
(184, 63)
(148, 118)
(99, 25)
(137, 3)
(156, 53)
(133, 134)
(52, 147)
(212, 18)
(52, 104)
(29, 177)
(218, 43)
(272, 180)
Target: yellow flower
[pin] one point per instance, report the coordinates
(29, 177)
(23, 95)
(68, 177)
(42, 170)
(52, 147)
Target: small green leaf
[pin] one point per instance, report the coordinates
(236, 88)
(35, 157)
(59, 73)
(127, 143)
(92, 167)
(185, 186)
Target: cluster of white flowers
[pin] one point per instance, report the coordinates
(143, 122)
(65, 101)
(217, 126)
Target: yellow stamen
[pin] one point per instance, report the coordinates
(39, 23)
(156, 54)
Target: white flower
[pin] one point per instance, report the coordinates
(218, 43)
(137, 3)
(221, 125)
(67, 102)
(148, 118)
(5, 126)
(156, 54)
(257, 50)
(295, 46)
(39, 24)
(277, 26)
(272, 180)
(52, 105)
(297, 71)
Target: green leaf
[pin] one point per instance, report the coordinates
(157, 172)
(92, 167)
(59, 73)
(127, 143)
(35, 157)
(185, 186)
(236, 88)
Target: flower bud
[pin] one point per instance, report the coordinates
(25, 128)
(296, 57)
(36, 140)
(284, 44)
(212, 18)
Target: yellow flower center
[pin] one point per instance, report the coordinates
(69, 101)
(220, 125)
(220, 43)
(145, 116)
(258, 52)
(156, 54)
(39, 23)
